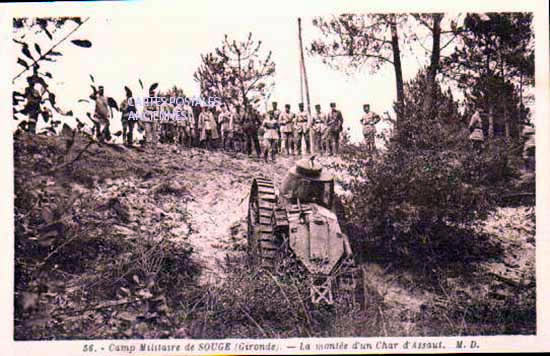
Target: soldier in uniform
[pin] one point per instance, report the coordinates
(369, 120)
(318, 128)
(200, 124)
(103, 113)
(286, 122)
(172, 124)
(208, 126)
(276, 113)
(335, 123)
(188, 125)
(237, 125)
(476, 131)
(150, 117)
(271, 136)
(127, 108)
(166, 110)
(301, 129)
(226, 121)
(251, 124)
(180, 122)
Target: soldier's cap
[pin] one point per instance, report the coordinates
(300, 104)
(274, 103)
(332, 105)
(287, 105)
(365, 105)
(317, 105)
(100, 87)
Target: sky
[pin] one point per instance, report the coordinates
(164, 45)
(167, 50)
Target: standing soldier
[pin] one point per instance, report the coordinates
(476, 131)
(318, 128)
(188, 119)
(369, 120)
(214, 124)
(271, 137)
(166, 110)
(226, 121)
(335, 123)
(276, 113)
(200, 124)
(208, 126)
(172, 128)
(302, 126)
(251, 124)
(32, 106)
(180, 122)
(127, 107)
(237, 125)
(103, 113)
(150, 117)
(286, 121)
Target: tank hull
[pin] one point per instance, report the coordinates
(309, 233)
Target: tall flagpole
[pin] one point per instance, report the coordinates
(301, 83)
(303, 64)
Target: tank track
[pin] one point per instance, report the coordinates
(267, 247)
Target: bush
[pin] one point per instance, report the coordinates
(428, 182)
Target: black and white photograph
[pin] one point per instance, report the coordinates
(345, 179)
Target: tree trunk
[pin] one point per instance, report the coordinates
(398, 71)
(429, 109)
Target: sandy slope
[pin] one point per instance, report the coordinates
(216, 186)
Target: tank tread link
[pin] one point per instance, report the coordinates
(263, 202)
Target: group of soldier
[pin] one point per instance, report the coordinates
(238, 128)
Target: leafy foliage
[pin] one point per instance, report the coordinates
(495, 50)
(35, 57)
(351, 41)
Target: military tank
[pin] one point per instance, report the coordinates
(301, 220)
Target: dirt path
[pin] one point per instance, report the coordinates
(219, 185)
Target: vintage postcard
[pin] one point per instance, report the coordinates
(285, 178)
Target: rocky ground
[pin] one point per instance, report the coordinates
(196, 200)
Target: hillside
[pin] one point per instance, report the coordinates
(114, 242)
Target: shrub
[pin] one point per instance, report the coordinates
(428, 182)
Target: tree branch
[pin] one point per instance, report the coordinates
(449, 42)
(422, 21)
(48, 51)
